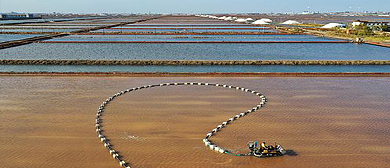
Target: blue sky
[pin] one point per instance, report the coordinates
(190, 6)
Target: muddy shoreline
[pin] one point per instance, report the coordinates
(206, 74)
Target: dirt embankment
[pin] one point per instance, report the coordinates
(206, 74)
(194, 62)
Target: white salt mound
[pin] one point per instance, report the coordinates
(290, 22)
(333, 25)
(266, 20)
(228, 18)
(241, 20)
(260, 22)
(222, 18)
(250, 20)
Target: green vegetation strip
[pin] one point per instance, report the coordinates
(194, 62)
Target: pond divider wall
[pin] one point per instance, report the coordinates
(202, 28)
(232, 42)
(202, 74)
(193, 25)
(194, 62)
(377, 44)
(187, 33)
(15, 43)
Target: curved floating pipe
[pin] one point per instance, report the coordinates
(206, 141)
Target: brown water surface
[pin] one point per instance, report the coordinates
(323, 122)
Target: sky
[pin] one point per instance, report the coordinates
(191, 6)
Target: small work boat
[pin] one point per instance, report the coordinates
(263, 150)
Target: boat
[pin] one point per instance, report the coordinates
(263, 150)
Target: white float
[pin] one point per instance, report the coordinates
(205, 140)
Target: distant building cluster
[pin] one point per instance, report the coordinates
(11, 16)
(368, 23)
(372, 25)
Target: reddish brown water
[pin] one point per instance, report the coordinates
(327, 122)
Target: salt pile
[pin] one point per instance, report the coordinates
(249, 20)
(291, 22)
(333, 25)
(228, 18)
(266, 20)
(260, 22)
(222, 18)
(241, 20)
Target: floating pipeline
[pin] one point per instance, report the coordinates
(209, 144)
(231, 42)
(194, 62)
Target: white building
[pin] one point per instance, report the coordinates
(369, 24)
(19, 16)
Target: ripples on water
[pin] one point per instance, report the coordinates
(38, 30)
(37, 26)
(184, 30)
(191, 27)
(192, 38)
(236, 68)
(280, 51)
(10, 37)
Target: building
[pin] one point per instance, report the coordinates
(11, 16)
(376, 25)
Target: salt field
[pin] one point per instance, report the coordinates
(197, 26)
(10, 37)
(59, 25)
(156, 30)
(191, 25)
(46, 27)
(142, 51)
(270, 44)
(326, 99)
(338, 129)
(39, 30)
(4, 22)
(192, 38)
